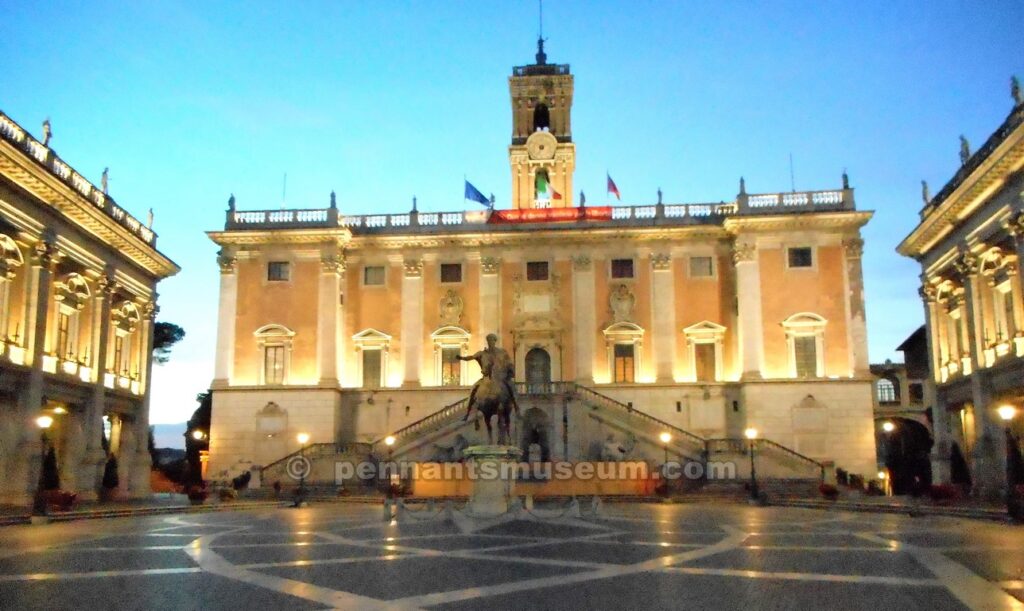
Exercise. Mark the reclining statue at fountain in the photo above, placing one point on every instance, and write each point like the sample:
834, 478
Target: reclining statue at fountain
494, 392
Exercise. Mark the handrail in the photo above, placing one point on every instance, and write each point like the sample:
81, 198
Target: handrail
791, 452
314, 449
693, 438
439, 417
742, 445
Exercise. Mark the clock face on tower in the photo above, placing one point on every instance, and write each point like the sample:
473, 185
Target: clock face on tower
541, 145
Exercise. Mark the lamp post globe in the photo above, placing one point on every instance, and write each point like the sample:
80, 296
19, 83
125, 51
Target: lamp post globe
751, 435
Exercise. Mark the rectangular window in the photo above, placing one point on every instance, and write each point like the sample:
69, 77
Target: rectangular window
701, 267
451, 367
801, 257
63, 333
273, 365
373, 275
119, 354
371, 368
537, 270
451, 272
624, 362
622, 268
704, 362
278, 271
1007, 326
805, 353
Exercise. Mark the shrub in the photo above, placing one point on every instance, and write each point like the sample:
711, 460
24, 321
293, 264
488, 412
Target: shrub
241, 482
944, 493
828, 491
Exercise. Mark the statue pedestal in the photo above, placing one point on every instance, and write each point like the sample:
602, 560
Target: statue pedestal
494, 478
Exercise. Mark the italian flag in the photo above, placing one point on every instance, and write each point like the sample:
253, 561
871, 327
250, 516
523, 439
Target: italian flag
545, 190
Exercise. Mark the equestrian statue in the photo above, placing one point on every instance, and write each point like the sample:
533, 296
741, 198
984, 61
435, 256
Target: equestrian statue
494, 392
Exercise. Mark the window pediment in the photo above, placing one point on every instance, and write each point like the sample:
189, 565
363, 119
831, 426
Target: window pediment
706, 330
371, 338
624, 331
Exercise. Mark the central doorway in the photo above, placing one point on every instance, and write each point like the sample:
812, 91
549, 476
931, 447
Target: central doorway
538, 371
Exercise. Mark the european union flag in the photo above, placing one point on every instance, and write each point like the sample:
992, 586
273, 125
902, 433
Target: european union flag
474, 194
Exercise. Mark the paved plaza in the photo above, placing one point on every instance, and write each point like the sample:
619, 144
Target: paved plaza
631, 557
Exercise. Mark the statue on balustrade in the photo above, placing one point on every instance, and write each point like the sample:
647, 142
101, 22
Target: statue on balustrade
494, 392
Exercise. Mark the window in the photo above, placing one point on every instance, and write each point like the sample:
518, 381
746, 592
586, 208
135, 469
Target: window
916, 391
119, 354
622, 268
278, 271
273, 365
801, 257
1005, 321
63, 332
886, 391
805, 356
537, 270
451, 366
451, 272
624, 363
373, 275
371, 368
704, 362
701, 267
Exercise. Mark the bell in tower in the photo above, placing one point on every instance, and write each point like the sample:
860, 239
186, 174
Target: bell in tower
542, 154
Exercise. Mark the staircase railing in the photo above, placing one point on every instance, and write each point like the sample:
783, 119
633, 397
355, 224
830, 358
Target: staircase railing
315, 450
445, 415
763, 446
593, 397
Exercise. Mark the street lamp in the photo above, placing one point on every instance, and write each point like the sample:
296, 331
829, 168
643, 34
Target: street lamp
198, 435
1007, 414
665, 438
39, 502
888, 426
303, 439
751, 435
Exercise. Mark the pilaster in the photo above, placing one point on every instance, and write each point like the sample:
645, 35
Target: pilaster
226, 317
412, 321
584, 317
856, 321
663, 316
748, 292
490, 296
328, 314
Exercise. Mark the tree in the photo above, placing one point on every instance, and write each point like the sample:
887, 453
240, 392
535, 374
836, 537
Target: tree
51, 476
200, 421
165, 335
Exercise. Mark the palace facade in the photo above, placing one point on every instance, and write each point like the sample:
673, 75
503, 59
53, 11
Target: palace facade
970, 241
625, 322
77, 301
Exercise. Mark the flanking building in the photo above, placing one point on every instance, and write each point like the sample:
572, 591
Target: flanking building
696, 319
969, 242
77, 300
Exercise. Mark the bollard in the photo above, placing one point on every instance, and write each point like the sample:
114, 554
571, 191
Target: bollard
387, 510
574, 508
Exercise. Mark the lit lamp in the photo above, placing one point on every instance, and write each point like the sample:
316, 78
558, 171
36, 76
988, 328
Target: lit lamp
1007, 414
39, 502
198, 435
888, 426
751, 435
883, 477
303, 439
665, 438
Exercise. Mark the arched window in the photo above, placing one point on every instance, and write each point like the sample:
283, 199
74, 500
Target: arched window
126, 321
886, 391
450, 342
71, 294
10, 261
275, 346
541, 118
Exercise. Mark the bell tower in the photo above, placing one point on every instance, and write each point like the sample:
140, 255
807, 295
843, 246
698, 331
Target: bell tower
542, 154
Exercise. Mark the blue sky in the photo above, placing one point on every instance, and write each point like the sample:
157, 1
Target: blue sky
189, 102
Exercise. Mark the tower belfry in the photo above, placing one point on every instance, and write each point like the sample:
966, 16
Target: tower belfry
541, 154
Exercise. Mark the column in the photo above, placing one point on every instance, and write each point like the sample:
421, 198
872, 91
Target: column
1015, 227
989, 464
584, 313
91, 467
490, 296
225, 362
940, 416
412, 321
139, 486
856, 322
748, 294
26, 459
327, 318
663, 316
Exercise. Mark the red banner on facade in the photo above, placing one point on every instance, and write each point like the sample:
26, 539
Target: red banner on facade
551, 215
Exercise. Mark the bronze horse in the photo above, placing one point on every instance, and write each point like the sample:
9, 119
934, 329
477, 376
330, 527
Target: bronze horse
493, 395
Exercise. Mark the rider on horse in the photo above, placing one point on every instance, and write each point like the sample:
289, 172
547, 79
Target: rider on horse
495, 364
